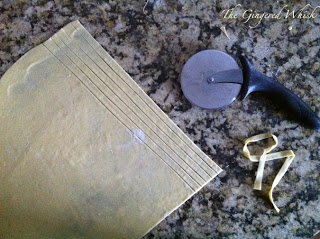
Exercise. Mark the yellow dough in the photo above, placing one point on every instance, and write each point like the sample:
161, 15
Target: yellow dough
288, 154
84, 152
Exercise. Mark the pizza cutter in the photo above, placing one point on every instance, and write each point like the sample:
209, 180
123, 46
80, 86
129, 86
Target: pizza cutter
212, 79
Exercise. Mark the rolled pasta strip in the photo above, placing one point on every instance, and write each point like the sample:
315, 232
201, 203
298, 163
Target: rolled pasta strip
288, 154
261, 158
289, 157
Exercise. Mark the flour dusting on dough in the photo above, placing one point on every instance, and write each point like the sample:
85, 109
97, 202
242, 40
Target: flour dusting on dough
139, 135
136, 137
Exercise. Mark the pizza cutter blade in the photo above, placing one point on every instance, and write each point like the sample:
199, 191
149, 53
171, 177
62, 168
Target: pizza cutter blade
203, 82
212, 79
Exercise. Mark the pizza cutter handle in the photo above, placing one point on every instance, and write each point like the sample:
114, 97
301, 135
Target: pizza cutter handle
256, 81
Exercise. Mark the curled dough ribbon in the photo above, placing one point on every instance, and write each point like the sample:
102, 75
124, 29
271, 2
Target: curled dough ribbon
288, 154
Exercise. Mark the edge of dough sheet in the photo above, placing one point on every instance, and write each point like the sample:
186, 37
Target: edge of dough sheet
13, 76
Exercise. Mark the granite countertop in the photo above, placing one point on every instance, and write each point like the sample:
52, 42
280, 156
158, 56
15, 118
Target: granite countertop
152, 46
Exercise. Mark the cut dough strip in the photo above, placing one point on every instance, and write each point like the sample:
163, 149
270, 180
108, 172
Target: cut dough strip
288, 154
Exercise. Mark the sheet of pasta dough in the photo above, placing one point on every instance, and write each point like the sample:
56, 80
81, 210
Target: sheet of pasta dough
84, 152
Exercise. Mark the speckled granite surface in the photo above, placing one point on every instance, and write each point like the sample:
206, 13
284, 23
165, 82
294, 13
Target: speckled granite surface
152, 47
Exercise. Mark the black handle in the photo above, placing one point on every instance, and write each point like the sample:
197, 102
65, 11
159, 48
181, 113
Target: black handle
256, 81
